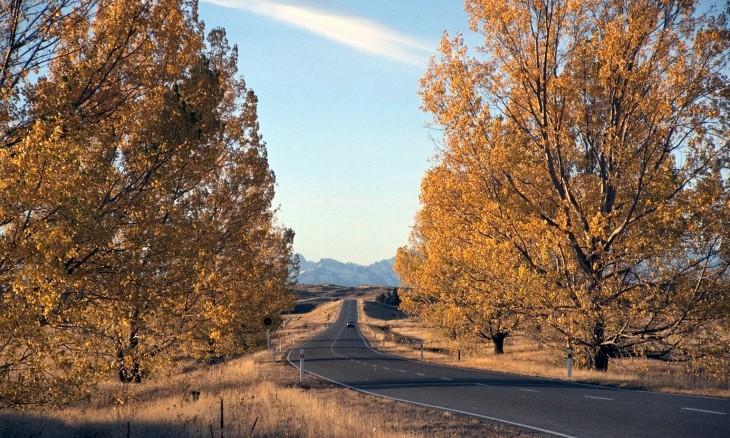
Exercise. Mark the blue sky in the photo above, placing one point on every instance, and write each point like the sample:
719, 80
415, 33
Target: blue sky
337, 83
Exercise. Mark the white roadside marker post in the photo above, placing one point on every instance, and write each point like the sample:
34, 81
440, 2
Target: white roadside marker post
570, 361
301, 365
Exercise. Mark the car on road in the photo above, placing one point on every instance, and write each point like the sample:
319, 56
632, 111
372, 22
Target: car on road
350, 324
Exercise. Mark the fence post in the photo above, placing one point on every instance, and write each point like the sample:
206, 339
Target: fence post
422, 351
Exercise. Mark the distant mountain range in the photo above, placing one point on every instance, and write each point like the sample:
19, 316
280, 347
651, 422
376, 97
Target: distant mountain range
329, 271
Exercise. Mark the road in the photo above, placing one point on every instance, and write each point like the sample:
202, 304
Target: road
559, 408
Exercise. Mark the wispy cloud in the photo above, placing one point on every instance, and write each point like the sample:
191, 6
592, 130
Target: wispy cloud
356, 32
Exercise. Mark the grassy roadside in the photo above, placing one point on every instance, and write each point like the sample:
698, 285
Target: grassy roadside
259, 396
389, 330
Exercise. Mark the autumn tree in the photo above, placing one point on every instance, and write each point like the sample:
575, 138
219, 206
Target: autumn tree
450, 267
136, 197
590, 140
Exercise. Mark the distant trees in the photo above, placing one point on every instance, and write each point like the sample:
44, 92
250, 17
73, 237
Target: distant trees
390, 298
582, 188
135, 216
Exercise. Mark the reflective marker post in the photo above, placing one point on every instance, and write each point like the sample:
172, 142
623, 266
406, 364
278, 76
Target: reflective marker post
301, 365
269, 347
267, 323
570, 361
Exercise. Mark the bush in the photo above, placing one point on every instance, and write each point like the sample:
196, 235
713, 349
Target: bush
390, 298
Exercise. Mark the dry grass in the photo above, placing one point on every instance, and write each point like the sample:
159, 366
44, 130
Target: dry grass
386, 328
260, 397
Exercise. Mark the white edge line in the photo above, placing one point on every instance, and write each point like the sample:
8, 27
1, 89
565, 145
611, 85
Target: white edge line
590, 385
705, 411
597, 398
473, 414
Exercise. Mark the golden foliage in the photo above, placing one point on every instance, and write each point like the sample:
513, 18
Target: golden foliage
136, 222
583, 182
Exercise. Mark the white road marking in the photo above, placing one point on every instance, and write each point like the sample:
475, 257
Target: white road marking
597, 398
529, 390
481, 384
386, 368
446, 378
420, 374
706, 412
501, 420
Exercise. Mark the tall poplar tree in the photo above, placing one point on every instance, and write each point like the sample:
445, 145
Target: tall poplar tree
588, 141
136, 216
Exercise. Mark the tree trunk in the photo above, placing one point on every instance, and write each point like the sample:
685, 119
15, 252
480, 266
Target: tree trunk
597, 357
601, 359
498, 341
598, 360
131, 373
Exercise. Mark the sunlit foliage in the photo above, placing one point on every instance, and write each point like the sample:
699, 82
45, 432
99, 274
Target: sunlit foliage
135, 218
583, 178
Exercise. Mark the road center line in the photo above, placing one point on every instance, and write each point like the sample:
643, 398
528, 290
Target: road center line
529, 390
446, 378
597, 398
706, 412
420, 374
435, 406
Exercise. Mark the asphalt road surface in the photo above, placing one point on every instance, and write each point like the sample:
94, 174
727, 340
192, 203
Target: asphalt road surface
560, 408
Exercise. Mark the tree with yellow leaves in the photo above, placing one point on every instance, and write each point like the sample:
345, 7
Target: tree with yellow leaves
589, 143
136, 220
451, 269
